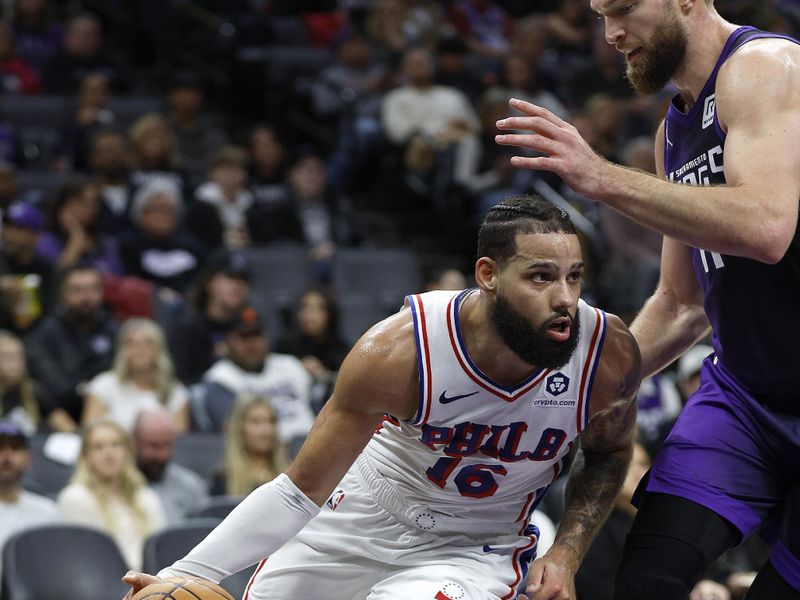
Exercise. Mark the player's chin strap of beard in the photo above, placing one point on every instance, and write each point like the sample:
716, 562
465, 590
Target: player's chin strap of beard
257, 527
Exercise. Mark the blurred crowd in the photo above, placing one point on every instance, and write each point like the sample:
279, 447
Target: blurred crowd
148, 148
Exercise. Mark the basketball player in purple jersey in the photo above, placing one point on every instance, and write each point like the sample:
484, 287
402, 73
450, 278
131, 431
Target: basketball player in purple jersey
730, 261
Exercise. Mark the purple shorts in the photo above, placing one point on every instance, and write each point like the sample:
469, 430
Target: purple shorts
732, 455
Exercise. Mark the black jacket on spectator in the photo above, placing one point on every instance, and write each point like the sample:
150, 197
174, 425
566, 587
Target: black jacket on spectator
194, 344
62, 356
173, 263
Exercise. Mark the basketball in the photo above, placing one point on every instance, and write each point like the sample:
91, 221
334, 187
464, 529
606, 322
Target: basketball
182, 588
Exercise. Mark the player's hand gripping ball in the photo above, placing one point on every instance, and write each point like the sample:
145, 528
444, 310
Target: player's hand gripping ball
182, 588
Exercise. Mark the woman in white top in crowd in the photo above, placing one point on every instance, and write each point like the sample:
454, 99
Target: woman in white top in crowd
108, 492
142, 377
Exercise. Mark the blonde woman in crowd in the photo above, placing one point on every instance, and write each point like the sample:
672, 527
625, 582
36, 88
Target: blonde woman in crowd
108, 492
21, 398
253, 453
142, 376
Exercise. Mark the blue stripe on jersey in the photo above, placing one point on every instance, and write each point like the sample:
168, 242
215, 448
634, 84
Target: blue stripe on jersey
420, 364
468, 358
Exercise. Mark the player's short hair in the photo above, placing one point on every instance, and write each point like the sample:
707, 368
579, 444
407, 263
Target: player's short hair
525, 214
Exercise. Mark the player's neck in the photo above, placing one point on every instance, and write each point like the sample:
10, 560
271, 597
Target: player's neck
706, 41
489, 353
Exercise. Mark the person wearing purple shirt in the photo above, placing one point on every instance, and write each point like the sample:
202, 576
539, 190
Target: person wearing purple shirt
730, 265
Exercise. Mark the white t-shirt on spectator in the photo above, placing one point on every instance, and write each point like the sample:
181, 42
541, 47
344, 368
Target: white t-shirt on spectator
124, 400
283, 380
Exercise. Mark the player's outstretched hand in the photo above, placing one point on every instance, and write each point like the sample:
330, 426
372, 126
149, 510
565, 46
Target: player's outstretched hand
137, 581
563, 150
549, 579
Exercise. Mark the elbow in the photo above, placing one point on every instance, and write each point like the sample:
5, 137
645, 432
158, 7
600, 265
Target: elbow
774, 243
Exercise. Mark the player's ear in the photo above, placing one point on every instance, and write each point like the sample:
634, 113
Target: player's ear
486, 271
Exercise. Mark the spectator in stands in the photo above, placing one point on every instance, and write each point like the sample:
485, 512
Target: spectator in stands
219, 293
82, 54
26, 277
448, 278
22, 400
155, 151
39, 37
157, 249
595, 577
267, 165
315, 339
91, 115
421, 107
109, 163
10, 150
484, 24
569, 30
197, 132
253, 452
386, 30
314, 215
351, 86
16, 75
141, 377
659, 403
74, 235
520, 79
218, 215
454, 71
251, 367
73, 343
179, 489
8, 184
19, 508
108, 493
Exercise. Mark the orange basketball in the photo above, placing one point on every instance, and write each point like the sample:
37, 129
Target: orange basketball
182, 588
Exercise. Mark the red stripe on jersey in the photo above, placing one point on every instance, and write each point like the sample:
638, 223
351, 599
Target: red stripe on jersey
468, 370
524, 512
589, 360
253, 578
515, 561
426, 350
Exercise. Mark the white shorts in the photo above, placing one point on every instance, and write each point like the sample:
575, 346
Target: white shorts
356, 550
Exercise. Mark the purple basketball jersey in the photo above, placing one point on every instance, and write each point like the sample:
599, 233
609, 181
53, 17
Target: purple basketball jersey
753, 307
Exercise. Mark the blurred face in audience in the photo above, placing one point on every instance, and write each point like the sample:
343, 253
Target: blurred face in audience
266, 149
18, 240
155, 442
140, 351
110, 155
83, 37
313, 317
517, 72
259, 430
82, 293
31, 10
307, 178
105, 452
14, 461
81, 209
248, 350
228, 293
155, 144
229, 177
418, 67
159, 217
6, 42
94, 91
186, 100
356, 53
12, 362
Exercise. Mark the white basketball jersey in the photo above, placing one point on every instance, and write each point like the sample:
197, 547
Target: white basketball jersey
477, 450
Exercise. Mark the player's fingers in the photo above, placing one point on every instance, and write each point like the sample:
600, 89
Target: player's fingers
534, 110
534, 142
536, 125
537, 163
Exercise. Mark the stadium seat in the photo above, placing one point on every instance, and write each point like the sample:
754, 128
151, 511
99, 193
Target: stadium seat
36, 111
199, 451
127, 109
385, 274
62, 562
42, 183
280, 273
45, 476
357, 313
168, 545
215, 507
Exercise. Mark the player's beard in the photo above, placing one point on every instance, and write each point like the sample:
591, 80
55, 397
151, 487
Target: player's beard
530, 343
661, 57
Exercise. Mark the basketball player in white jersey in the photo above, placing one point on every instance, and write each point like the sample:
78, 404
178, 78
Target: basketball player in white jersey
449, 421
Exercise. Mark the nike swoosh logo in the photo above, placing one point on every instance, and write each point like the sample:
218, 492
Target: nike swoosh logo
446, 400
487, 548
